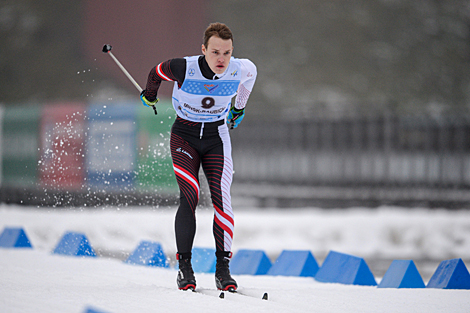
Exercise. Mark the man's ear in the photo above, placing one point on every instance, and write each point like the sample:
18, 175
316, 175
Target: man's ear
203, 49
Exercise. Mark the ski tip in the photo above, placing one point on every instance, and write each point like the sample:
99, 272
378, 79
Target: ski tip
222, 295
265, 296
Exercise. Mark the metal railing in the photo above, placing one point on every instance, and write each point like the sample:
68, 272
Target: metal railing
378, 150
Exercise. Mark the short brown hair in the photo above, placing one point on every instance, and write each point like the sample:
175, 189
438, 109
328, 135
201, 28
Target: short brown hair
217, 29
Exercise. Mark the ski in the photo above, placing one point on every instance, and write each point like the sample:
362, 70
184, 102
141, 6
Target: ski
221, 293
208, 292
231, 290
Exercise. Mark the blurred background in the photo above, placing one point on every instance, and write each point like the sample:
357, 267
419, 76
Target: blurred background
360, 103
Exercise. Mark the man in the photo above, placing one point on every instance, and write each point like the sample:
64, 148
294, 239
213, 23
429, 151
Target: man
203, 89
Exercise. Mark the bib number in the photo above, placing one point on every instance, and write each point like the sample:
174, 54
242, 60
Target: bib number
208, 102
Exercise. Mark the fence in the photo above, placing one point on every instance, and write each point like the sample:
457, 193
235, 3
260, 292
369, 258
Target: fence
379, 150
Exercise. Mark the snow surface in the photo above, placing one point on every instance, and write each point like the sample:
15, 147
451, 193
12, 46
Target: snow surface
34, 280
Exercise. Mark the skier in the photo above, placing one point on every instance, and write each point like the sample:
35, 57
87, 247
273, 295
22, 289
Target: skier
204, 86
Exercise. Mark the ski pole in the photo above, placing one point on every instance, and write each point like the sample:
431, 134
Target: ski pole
107, 49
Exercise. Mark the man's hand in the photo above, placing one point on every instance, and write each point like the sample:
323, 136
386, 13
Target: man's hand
235, 117
147, 102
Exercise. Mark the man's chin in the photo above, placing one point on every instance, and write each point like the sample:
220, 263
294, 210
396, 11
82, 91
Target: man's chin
219, 70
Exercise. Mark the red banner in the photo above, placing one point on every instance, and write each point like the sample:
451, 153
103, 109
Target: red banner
62, 146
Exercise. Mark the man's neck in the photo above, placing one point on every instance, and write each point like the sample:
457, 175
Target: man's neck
205, 69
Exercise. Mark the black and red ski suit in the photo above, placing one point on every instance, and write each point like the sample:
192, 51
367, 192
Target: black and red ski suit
194, 144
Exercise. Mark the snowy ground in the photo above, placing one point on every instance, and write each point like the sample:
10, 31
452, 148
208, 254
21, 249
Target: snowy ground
37, 281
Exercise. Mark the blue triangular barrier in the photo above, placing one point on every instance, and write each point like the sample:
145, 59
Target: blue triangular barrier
294, 263
74, 244
402, 274
92, 310
450, 274
250, 262
14, 238
203, 260
148, 253
345, 269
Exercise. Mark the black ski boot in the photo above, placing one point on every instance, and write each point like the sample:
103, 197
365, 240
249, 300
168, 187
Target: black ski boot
185, 279
223, 280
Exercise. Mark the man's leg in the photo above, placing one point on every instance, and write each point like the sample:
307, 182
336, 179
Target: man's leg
186, 166
218, 168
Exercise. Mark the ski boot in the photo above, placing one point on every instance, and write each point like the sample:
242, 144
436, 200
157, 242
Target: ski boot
185, 278
223, 280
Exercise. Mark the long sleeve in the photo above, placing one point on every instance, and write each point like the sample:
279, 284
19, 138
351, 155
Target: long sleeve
171, 70
248, 78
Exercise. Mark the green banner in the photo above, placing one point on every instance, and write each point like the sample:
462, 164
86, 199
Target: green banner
20, 145
154, 166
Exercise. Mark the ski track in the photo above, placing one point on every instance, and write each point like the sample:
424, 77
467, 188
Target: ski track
35, 280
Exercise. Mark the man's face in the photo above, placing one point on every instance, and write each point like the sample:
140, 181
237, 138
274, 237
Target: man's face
218, 53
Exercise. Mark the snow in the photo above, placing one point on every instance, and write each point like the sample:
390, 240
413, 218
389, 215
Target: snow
35, 280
